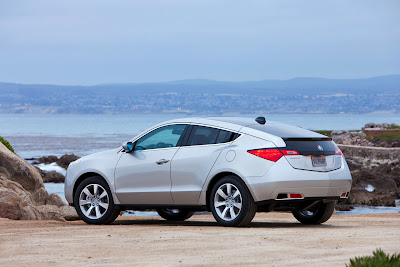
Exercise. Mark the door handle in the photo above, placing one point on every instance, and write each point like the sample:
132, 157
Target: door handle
162, 161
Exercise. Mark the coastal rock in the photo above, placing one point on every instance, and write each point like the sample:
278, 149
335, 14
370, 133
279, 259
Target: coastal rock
53, 177
18, 170
46, 160
65, 160
22, 194
55, 200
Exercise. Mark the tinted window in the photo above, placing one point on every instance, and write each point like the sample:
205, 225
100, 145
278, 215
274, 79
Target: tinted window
167, 136
226, 136
202, 135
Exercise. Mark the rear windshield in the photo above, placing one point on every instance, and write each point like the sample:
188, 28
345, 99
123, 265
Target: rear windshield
285, 131
306, 147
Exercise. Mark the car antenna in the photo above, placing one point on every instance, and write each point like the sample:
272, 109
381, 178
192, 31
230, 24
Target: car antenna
260, 120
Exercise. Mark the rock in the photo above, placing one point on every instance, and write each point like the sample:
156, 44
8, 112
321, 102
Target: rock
65, 160
56, 200
10, 204
40, 196
53, 177
17, 169
22, 194
69, 213
46, 160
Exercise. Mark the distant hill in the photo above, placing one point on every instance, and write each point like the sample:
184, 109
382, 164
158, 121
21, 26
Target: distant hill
199, 96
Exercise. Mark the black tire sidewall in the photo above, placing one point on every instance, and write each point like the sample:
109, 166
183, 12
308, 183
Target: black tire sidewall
182, 215
322, 214
111, 207
246, 199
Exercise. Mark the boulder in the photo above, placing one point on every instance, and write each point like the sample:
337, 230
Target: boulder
18, 170
53, 177
22, 194
65, 160
46, 160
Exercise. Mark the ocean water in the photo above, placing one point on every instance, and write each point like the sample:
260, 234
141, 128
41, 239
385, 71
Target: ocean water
42, 135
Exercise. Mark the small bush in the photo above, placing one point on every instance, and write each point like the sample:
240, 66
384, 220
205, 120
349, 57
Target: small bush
379, 259
6, 143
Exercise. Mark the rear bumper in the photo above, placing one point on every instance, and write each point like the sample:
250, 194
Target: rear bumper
282, 178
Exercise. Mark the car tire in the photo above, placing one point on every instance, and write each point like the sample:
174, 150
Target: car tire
320, 213
94, 203
231, 202
175, 214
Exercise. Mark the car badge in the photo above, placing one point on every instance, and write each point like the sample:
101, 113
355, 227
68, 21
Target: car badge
320, 148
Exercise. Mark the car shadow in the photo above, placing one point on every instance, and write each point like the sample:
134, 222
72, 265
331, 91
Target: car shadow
196, 223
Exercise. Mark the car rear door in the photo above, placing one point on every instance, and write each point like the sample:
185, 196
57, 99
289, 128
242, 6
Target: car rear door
194, 160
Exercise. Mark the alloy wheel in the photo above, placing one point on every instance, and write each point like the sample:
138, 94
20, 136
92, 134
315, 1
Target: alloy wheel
94, 201
228, 202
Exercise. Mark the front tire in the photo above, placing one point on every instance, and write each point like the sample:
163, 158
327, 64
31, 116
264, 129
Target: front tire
94, 203
231, 202
318, 214
175, 214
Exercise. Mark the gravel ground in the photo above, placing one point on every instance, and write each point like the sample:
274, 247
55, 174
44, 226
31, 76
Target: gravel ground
273, 239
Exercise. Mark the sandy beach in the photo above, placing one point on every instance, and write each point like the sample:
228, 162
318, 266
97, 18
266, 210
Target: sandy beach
273, 239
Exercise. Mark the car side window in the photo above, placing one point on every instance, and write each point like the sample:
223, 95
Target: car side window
226, 136
202, 135
163, 137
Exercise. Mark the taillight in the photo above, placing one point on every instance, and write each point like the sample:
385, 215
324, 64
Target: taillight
338, 152
290, 152
269, 154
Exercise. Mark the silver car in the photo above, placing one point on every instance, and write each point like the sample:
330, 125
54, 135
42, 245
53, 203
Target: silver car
232, 167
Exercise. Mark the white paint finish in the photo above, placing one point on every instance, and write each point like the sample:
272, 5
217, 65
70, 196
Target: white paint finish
189, 170
140, 180
230, 155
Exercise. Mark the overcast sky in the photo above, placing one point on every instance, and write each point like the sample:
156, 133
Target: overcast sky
104, 41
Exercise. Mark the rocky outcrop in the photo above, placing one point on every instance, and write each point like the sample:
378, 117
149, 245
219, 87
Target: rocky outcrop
22, 194
376, 175
64, 161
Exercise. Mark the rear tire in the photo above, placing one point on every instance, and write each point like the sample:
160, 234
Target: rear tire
318, 214
231, 202
94, 203
175, 214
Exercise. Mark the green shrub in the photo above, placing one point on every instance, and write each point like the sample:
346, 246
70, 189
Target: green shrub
6, 143
379, 259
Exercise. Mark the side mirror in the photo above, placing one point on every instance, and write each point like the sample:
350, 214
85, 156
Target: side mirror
128, 147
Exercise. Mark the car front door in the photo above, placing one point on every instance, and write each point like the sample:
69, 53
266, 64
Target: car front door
143, 176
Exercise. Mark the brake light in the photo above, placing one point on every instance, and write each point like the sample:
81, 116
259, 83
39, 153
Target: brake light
338, 152
268, 154
290, 152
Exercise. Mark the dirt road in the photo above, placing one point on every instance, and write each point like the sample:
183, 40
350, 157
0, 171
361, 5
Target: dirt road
273, 239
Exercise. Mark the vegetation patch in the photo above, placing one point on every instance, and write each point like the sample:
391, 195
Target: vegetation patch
394, 127
379, 259
7, 144
387, 136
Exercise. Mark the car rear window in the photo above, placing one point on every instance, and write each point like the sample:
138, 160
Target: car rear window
202, 135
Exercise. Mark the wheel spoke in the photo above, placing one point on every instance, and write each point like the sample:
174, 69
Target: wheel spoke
87, 192
232, 212
89, 211
84, 202
237, 193
238, 205
219, 204
103, 194
224, 212
229, 189
98, 214
104, 205
222, 194
95, 189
